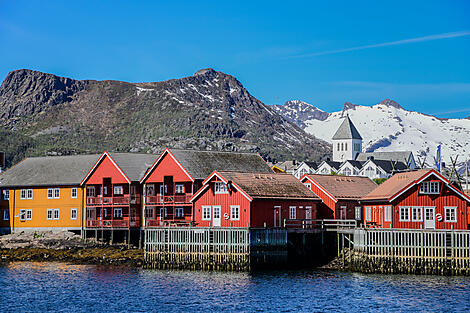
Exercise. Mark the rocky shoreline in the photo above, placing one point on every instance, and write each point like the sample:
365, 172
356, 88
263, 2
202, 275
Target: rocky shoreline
65, 247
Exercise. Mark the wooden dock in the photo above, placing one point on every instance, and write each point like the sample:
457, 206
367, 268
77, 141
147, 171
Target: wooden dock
212, 248
443, 252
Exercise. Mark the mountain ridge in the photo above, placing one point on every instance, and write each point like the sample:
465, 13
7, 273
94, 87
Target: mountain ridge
43, 113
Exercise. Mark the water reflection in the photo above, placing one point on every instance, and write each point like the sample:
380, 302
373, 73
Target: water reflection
36, 287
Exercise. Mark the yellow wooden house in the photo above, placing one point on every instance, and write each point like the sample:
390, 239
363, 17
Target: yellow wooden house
44, 193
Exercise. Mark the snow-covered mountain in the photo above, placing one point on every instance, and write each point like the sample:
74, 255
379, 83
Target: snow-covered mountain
387, 126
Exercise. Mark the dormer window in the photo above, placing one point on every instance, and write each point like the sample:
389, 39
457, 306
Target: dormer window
429, 187
220, 188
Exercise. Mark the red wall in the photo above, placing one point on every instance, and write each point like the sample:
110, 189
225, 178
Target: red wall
262, 212
447, 197
106, 168
167, 167
350, 209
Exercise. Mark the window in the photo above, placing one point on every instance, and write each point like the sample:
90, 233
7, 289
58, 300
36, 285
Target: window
347, 171
369, 171
388, 213
179, 212
429, 187
163, 213
342, 147
90, 191
404, 214
368, 213
53, 193
118, 212
149, 212
346, 146
324, 170
6, 194
179, 188
235, 212
105, 190
358, 212
90, 213
377, 171
6, 215
26, 194
451, 214
26, 214
74, 193
73, 213
105, 212
206, 213
309, 185
220, 187
292, 213
417, 214
52, 214
118, 190
339, 146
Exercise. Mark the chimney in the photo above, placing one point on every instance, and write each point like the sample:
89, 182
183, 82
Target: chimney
328, 159
370, 158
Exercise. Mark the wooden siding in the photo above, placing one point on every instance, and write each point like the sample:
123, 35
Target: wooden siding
263, 211
327, 209
167, 167
412, 197
106, 168
39, 205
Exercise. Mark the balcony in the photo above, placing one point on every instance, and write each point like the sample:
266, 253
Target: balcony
122, 200
168, 199
124, 223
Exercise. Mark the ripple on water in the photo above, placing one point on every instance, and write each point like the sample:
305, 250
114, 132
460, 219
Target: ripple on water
37, 287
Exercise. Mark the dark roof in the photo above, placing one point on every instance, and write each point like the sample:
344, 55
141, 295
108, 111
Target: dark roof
345, 187
270, 185
334, 164
201, 164
388, 166
347, 130
134, 165
356, 164
312, 165
401, 156
48, 171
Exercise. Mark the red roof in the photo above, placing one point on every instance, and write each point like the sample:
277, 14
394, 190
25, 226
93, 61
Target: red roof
343, 187
401, 182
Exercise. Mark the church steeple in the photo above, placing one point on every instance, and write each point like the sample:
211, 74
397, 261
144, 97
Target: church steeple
347, 142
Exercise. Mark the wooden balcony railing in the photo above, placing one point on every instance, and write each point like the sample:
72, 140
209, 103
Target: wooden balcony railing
168, 199
158, 223
123, 200
124, 223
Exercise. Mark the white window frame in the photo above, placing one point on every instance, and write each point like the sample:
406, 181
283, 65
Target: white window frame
387, 213
6, 194
206, 213
454, 209
358, 213
117, 212
53, 193
419, 218
179, 212
220, 188
26, 194
90, 191
74, 193
118, 190
349, 172
179, 188
26, 214
6, 214
309, 185
73, 213
150, 212
407, 210
53, 214
430, 188
235, 212
292, 212
368, 212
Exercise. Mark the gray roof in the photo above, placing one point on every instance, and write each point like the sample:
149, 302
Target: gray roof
400, 156
390, 166
201, 164
356, 164
312, 165
134, 165
48, 171
347, 130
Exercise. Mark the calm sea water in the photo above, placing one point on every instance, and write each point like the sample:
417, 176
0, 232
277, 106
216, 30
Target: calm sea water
39, 287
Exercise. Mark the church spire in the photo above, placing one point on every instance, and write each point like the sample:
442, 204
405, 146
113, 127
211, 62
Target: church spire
347, 130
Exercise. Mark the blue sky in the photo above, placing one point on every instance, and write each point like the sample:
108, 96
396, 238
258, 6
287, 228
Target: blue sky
325, 52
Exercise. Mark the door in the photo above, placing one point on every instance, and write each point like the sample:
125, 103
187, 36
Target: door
216, 216
161, 193
429, 218
277, 216
342, 213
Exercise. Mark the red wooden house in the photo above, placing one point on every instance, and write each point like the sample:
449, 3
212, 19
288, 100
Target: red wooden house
422, 199
340, 194
236, 199
177, 174
113, 191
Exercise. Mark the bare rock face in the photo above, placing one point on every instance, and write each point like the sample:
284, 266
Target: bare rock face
298, 112
47, 114
391, 103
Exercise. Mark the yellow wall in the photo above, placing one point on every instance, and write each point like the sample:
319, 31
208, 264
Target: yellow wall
39, 204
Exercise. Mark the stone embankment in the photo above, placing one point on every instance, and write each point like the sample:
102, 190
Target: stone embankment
66, 247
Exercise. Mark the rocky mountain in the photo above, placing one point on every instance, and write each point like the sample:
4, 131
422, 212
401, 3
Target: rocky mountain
387, 126
298, 112
45, 114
